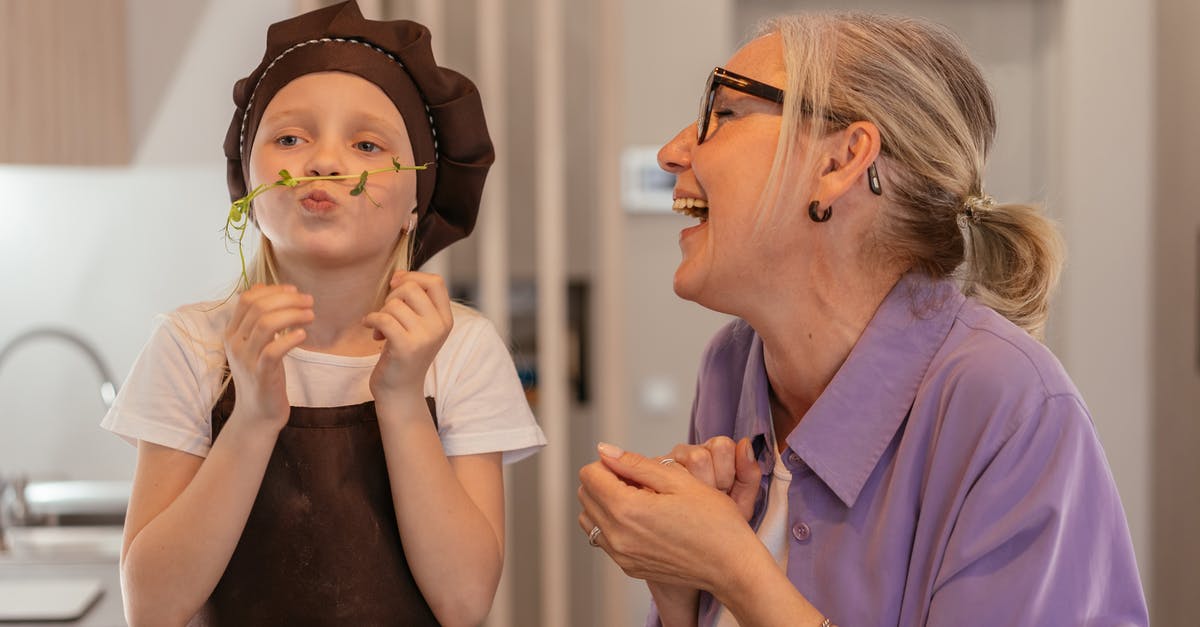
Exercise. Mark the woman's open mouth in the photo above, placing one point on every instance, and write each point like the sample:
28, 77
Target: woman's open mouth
694, 207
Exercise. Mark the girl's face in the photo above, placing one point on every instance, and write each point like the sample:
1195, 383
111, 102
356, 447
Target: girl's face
332, 123
721, 256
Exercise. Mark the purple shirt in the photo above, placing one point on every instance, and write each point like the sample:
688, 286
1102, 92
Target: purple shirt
949, 474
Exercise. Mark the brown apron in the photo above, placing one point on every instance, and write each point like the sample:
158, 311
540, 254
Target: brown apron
321, 545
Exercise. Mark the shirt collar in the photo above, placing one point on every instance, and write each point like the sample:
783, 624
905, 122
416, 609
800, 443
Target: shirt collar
843, 435
854, 420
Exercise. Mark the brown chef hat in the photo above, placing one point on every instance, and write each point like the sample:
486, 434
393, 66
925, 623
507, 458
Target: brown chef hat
440, 107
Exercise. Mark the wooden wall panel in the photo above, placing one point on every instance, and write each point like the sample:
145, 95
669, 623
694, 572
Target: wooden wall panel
63, 82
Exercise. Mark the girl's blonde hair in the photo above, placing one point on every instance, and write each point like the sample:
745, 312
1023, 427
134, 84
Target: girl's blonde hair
915, 81
263, 267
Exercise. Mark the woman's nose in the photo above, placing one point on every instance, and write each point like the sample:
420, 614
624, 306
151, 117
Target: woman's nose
676, 155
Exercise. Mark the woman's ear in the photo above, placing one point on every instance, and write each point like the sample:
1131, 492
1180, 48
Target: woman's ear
849, 154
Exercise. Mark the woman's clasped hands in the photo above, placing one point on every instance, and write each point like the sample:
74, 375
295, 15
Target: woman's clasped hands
667, 519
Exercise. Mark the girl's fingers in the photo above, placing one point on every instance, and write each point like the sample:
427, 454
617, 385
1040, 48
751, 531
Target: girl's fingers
386, 326
239, 310
247, 299
266, 302
415, 299
270, 325
434, 286
274, 351
409, 324
411, 306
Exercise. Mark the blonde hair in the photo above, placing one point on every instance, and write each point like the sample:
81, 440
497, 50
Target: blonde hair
262, 267
915, 81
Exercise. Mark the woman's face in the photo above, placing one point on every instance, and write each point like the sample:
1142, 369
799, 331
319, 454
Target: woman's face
728, 171
332, 123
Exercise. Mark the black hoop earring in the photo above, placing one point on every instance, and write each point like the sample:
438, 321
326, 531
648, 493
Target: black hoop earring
812, 212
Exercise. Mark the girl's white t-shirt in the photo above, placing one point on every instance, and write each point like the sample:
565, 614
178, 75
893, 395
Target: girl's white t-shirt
169, 394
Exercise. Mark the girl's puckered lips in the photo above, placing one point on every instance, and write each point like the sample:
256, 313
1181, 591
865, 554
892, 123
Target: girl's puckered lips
318, 201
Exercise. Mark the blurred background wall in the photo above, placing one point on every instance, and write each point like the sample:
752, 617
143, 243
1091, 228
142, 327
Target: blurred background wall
1096, 102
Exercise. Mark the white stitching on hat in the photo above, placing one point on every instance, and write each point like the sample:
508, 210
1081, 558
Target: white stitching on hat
250, 101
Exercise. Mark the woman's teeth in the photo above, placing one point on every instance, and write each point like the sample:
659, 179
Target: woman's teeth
694, 207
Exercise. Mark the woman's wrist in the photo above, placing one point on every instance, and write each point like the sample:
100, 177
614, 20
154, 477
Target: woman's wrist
678, 606
758, 592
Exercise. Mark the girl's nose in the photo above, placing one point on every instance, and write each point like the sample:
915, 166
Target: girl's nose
676, 155
325, 160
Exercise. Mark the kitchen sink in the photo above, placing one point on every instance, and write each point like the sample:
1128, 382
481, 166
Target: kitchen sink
63, 521
62, 544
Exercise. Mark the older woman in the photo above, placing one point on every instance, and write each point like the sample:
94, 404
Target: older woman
880, 438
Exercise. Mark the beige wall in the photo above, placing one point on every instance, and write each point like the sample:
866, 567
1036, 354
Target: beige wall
64, 62
1176, 302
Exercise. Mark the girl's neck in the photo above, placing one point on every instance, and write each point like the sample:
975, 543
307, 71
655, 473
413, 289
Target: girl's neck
341, 297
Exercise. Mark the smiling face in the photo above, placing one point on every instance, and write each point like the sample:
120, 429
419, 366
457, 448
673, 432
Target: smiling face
323, 124
727, 173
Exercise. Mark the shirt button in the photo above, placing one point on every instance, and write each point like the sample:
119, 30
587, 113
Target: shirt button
801, 532
794, 458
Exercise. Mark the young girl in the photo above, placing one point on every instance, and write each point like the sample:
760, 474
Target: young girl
326, 447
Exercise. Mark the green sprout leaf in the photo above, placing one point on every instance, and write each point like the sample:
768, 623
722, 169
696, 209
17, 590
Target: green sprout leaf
362, 184
239, 210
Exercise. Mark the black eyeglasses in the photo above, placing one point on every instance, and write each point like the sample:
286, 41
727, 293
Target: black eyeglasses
723, 77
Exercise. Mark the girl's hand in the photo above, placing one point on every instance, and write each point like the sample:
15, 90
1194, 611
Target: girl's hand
660, 523
415, 321
725, 465
267, 323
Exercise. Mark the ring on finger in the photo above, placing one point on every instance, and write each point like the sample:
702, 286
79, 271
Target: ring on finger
594, 536
667, 461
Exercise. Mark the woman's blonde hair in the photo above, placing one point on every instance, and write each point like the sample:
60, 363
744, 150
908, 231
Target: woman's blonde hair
915, 81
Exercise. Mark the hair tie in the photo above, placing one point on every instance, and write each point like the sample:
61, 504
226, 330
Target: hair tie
977, 205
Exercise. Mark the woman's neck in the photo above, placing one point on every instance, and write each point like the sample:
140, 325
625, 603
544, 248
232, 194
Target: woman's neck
341, 297
807, 339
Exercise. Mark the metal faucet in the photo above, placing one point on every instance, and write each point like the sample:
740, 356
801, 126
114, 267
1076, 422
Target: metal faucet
14, 510
108, 389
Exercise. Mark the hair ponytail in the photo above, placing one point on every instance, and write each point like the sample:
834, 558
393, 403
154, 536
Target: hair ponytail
1014, 256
